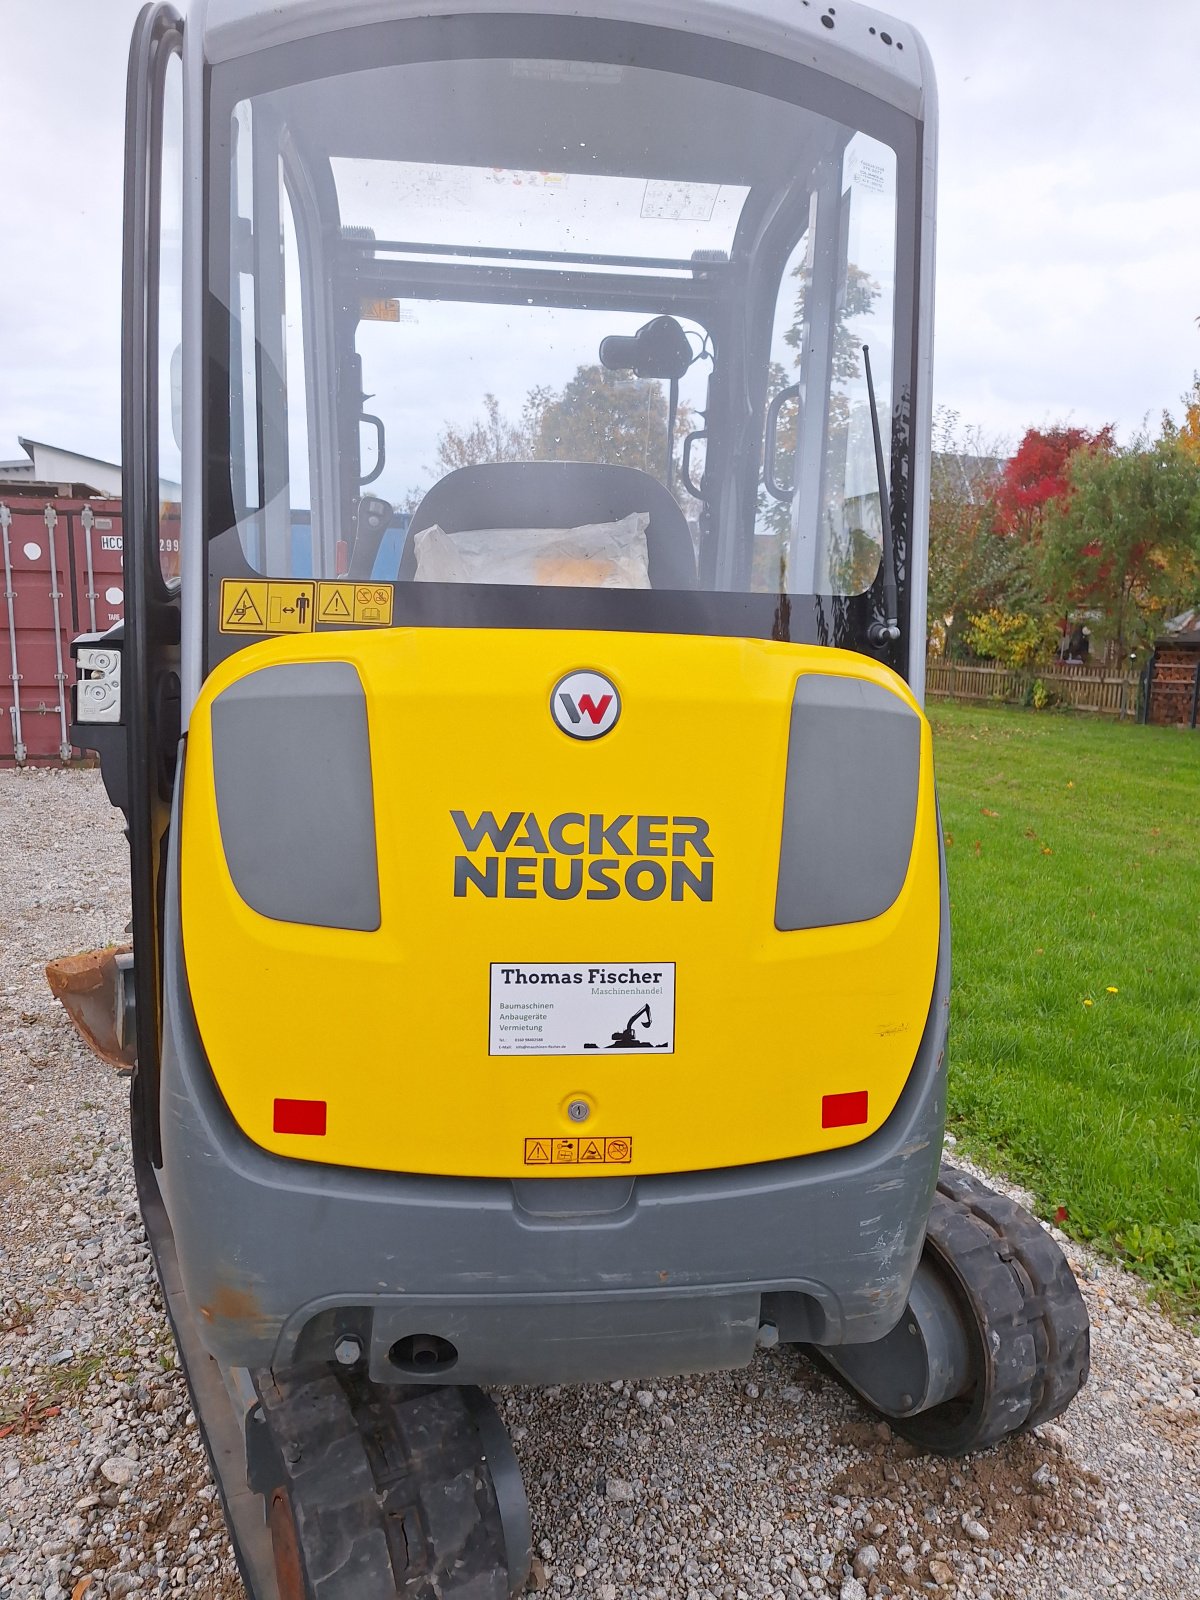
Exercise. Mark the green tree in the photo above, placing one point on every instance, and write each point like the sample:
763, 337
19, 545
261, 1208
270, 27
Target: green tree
1125, 542
492, 437
1189, 432
1014, 638
598, 416
606, 416
973, 569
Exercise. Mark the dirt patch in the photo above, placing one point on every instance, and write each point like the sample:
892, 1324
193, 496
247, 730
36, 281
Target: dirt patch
1029, 1490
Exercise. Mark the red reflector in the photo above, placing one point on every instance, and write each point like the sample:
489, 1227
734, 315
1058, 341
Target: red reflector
300, 1116
839, 1110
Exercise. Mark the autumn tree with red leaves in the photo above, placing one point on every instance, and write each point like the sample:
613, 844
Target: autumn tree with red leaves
985, 587
1037, 474
1019, 624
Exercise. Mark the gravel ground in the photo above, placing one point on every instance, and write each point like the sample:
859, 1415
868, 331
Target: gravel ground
764, 1483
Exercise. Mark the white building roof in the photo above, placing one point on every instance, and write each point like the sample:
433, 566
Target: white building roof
53, 464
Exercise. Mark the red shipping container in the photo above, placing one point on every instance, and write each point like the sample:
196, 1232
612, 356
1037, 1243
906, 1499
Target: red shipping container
62, 577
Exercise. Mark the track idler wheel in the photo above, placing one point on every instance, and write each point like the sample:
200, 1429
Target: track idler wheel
376, 1491
1026, 1323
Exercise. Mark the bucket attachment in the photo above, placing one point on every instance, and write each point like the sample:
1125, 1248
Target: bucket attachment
96, 988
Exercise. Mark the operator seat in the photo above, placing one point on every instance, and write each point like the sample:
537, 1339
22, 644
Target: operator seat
559, 494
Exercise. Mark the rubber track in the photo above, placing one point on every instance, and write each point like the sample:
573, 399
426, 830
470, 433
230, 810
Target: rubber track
1053, 1308
388, 1488
1025, 1312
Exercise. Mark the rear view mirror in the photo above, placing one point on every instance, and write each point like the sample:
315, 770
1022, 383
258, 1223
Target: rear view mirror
660, 349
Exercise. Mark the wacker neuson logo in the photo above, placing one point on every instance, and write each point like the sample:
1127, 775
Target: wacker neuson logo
578, 853
585, 705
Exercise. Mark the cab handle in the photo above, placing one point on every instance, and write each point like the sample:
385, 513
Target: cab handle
380, 448
777, 490
685, 466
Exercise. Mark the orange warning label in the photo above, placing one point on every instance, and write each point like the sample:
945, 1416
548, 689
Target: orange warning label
379, 310
590, 1151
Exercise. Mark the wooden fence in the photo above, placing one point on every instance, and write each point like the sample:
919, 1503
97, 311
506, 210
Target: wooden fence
1114, 694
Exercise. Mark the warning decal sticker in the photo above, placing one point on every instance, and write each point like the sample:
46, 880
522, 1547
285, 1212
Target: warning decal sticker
262, 605
380, 311
541, 1008
588, 1151
258, 605
343, 603
335, 602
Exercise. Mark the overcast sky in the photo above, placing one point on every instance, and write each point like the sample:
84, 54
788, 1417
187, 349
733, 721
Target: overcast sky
1069, 233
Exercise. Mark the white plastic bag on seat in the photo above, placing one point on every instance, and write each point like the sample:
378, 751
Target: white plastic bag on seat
597, 555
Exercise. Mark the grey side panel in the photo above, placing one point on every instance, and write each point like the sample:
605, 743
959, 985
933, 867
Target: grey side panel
292, 767
658, 1274
850, 805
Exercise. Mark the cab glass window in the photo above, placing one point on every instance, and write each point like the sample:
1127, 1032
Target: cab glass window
557, 322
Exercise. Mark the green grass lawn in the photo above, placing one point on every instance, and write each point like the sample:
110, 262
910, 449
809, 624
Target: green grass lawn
1074, 862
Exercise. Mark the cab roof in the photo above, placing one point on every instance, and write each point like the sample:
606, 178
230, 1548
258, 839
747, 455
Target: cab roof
854, 43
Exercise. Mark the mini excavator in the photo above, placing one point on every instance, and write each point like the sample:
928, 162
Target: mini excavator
649, 284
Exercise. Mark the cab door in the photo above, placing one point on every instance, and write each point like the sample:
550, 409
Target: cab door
151, 358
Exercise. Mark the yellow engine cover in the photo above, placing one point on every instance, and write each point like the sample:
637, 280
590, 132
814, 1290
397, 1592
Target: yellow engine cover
397, 1032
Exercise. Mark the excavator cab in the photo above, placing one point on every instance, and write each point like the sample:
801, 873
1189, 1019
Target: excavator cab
531, 742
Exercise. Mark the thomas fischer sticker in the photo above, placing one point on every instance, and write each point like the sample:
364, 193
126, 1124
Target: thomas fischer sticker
543, 1008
